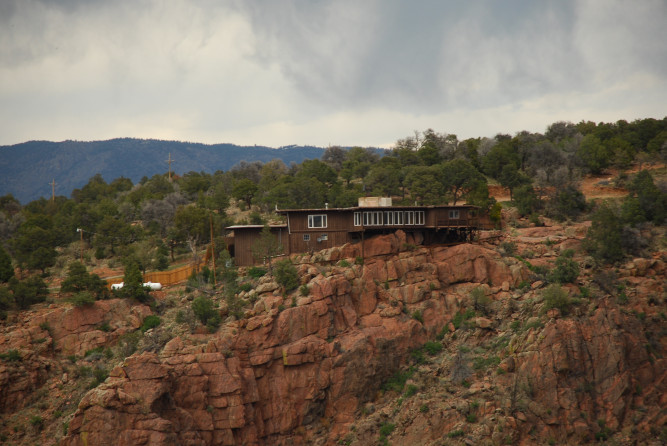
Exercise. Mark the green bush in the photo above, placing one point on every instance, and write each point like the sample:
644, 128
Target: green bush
11, 356
28, 292
566, 270
206, 311
286, 274
433, 348
556, 297
151, 321
480, 301
417, 315
79, 280
256, 272
82, 298
304, 290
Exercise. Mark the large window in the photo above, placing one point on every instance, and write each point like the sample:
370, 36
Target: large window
409, 217
317, 221
393, 218
419, 217
357, 219
373, 218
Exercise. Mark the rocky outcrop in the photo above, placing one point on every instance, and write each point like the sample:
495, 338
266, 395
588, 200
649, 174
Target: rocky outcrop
292, 363
42, 334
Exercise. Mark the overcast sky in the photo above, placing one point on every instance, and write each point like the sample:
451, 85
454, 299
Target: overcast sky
357, 72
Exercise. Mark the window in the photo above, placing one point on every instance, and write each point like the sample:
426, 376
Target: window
388, 218
453, 215
409, 217
398, 217
317, 221
419, 217
373, 218
306, 237
357, 219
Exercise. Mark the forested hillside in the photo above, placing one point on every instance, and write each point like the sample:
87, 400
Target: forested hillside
26, 169
54, 251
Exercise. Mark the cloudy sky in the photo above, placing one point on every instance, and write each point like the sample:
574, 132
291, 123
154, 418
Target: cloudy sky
346, 72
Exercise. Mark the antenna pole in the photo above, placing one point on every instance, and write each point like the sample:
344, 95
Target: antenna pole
170, 161
212, 248
53, 190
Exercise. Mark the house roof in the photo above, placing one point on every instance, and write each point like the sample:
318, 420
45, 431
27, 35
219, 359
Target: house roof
380, 208
282, 225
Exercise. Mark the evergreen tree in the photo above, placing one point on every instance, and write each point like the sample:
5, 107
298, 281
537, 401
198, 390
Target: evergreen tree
6, 268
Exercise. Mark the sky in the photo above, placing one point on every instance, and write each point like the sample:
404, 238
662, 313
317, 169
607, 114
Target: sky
344, 72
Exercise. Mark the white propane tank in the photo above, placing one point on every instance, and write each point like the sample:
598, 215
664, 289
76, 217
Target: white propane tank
117, 286
154, 286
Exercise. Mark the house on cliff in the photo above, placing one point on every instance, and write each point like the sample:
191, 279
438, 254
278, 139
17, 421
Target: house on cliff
309, 230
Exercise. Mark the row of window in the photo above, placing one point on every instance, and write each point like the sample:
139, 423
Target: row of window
379, 218
389, 218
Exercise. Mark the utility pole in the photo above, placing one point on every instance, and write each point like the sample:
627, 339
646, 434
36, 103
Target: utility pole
170, 161
53, 190
210, 217
79, 230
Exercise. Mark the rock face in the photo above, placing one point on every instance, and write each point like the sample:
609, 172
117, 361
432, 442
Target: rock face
304, 369
260, 380
43, 333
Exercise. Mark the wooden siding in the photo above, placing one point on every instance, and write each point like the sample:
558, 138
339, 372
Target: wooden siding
333, 238
244, 239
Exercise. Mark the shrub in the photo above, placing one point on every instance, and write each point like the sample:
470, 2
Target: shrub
480, 300
456, 433
37, 422
151, 321
397, 381
304, 290
566, 270
387, 429
286, 274
206, 311
508, 248
555, 297
133, 286
245, 287
423, 408
79, 280
81, 299
417, 315
256, 272
28, 292
344, 263
11, 356
433, 348
604, 238
471, 418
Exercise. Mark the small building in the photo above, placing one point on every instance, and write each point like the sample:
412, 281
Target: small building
240, 242
308, 230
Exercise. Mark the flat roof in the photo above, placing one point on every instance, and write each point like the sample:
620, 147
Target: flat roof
378, 208
283, 225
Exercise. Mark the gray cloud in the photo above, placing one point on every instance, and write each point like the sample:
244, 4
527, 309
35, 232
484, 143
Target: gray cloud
319, 72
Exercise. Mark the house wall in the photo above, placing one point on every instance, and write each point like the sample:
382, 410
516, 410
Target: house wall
245, 238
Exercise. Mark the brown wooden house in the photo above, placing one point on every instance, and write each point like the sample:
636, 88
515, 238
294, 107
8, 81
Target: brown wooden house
308, 230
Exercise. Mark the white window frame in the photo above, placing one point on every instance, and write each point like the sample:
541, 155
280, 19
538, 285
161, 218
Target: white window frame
419, 217
409, 217
357, 219
398, 218
454, 214
388, 218
373, 218
306, 237
313, 217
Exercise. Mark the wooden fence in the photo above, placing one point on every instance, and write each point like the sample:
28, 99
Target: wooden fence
165, 278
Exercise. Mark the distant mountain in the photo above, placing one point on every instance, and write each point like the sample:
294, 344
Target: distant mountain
26, 169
